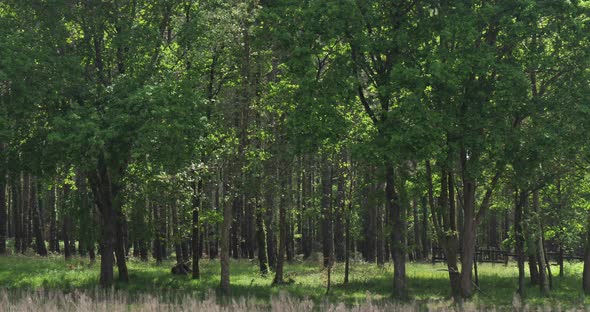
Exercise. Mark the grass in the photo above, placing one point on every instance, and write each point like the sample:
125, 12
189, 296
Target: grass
427, 282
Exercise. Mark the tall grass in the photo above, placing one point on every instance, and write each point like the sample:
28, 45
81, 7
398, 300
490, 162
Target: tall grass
118, 301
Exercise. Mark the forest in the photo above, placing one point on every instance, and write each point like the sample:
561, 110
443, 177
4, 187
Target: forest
356, 139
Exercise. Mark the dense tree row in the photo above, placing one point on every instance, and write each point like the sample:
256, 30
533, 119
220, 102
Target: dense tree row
273, 130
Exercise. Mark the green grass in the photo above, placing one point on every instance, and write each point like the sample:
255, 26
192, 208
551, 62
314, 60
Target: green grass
426, 282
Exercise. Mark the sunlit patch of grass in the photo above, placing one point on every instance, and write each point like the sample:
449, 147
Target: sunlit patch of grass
426, 282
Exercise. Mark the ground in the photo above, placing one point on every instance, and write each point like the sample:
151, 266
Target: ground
427, 282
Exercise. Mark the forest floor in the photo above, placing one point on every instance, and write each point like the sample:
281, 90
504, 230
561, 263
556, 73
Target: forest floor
428, 284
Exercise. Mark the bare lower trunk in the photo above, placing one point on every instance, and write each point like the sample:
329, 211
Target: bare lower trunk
468, 238
53, 240
543, 283
120, 247
424, 229
327, 225
416, 220
3, 208
197, 191
347, 248
271, 245
586, 273
105, 192
519, 235
37, 220
66, 237
282, 234
106, 251
16, 208
262, 259
398, 235
454, 275
533, 268
225, 252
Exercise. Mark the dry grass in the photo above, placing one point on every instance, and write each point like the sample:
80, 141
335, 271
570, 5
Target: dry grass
117, 301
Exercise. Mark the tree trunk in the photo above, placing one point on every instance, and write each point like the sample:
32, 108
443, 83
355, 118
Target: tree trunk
417, 243
305, 205
533, 268
493, 230
250, 228
327, 233
120, 246
176, 236
143, 251
339, 243
37, 220
225, 252
270, 233
26, 213
347, 243
424, 229
16, 212
3, 208
282, 231
197, 191
468, 236
105, 192
91, 253
586, 273
396, 208
543, 283
236, 227
53, 239
519, 235
66, 236
158, 238
262, 258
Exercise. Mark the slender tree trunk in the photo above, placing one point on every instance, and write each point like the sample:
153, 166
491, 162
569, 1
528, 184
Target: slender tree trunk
3, 207
424, 228
195, 246
270, 233
347, 245
468, 236
177, 239
417, 243
26, 211
327, 230
236, 227
262, 258
380, 235
120, 246
158, 238
339, 241
305, 239
250, 228
38, 220
91, 253
282, 231
66, 236
16, 212
493, 230
519, 235
143, 251
586, 273
53, 239
543, 283
225, 252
